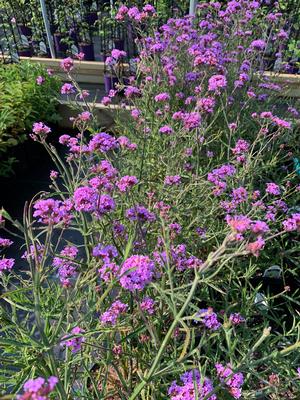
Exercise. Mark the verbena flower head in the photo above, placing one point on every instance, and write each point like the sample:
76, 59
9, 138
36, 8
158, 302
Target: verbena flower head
272, 188
126, 183
6, 264
102, 142
40, 80
140, 213
118, 54
148, 305
111, 316
74, 343
256, 246
162, 97
85, 199
136, 272
40, 131
67, 64
132, 91
66, 268
108, 271
236, 319
172, 180
258, 44
191, 120
292, 223
166, 130
106, 253
48, 211
233, 381
67, 88
5, 242
209, 319
216, 83
38, 388
238, 223
192, 387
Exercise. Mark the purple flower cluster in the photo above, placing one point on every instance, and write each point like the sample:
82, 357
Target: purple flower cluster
218, 177
140, 213
148, 305
272, 188
108, 271
209, 319
240, 150
240, 224
36, 252
52, 212
136, 272
87, 199
192, 387
111, 316
106, 253
172, 180
102, 142
73, 143
258, 44
179, 258
166, 130
216, 83
66, 267
206, 104
162, 97
38, 389
6, 264
191, 120
39, 131
292, 223
5, 242
131, 91
126, 183
74, 343
232, 381
67, 88
134, 14
236, 319
67, 64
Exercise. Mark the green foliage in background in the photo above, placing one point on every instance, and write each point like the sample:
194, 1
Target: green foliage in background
23, 101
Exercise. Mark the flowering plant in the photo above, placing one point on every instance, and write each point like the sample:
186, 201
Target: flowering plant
143, 267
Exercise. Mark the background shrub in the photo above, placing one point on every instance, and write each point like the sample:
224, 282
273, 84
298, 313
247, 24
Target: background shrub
24, 100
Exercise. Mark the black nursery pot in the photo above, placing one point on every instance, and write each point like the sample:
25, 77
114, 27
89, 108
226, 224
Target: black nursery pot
110, 82
293, 68
59, 45
25, 30
25, 53
119, 44
73, 34
91, 18
53, 28
88, 50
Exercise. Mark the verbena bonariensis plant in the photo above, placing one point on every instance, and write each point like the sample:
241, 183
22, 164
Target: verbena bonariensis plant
142, 269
